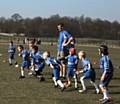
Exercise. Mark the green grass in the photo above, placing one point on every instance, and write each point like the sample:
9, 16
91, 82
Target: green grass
32, 91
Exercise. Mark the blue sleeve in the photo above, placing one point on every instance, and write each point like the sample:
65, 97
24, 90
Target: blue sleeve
32, 60
60, 40
66, 58
106, 64
88, 62
48, 62
24, 54
85, 65
58, 61
101, 64
76, 60
65, 34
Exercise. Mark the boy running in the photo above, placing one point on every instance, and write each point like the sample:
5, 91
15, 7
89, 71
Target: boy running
107, 73
25, 60
88, 72
11, 52
55, 65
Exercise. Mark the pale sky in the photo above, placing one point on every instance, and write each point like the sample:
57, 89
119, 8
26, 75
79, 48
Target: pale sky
103, 9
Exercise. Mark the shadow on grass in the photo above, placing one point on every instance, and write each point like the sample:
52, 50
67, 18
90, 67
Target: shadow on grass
116, 78
71, 89
115, 92
114, 86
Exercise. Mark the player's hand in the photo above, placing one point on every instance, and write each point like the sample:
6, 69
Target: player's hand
81, 71
74, 70
63, 45
19, 54
77, 72
102, 78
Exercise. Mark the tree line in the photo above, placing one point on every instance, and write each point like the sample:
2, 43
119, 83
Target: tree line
79, 27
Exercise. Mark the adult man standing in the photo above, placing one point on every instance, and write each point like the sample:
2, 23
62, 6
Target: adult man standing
64, 37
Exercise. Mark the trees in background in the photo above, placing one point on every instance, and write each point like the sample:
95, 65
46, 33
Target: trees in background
83, 27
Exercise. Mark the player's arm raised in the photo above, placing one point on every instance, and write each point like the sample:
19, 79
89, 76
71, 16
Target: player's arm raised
51, 66
68, 42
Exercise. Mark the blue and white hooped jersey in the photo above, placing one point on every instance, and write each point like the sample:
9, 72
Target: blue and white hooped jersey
11, 49
85, 64
53, 61
30, 52
72, 61
106, 64
24, 54
36, 58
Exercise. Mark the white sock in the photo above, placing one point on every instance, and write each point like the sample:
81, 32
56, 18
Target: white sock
95, 85
22, 72
32, 69
60, 83
54, 80
82, 82
69, 82
10, 60
105, 93
75, 82
63, 75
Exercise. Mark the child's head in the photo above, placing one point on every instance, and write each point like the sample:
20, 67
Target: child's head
31, 43
34, 49
81, 54
60, 26
11, 42
72, 51
103, 50
46, 54
20, 48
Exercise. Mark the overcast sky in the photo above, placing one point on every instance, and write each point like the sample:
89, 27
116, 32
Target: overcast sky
104, 9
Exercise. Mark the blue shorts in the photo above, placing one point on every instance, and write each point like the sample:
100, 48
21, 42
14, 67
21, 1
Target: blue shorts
25, 64
40, 67
56, 72
107, 79
90, 74
70, 72
11, 55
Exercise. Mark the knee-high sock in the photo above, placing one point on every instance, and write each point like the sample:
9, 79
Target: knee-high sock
22, 72
105, 93
60, 83
95, 85
64, 70
82, 82
10, 61
54, 80
75, 79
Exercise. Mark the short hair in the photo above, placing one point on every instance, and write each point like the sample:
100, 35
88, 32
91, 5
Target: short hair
11, 42
83, 53
35, 48
21, 46
48, 53
61, 24
31, 42
104, 49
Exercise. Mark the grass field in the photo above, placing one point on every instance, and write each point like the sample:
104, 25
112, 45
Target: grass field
32, 91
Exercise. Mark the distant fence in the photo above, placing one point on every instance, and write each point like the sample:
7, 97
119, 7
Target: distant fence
79, 41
